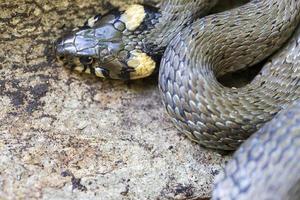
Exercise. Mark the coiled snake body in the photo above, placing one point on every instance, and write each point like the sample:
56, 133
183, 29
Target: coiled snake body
198, 50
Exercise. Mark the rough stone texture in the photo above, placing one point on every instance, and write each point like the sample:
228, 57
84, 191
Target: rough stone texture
69, 136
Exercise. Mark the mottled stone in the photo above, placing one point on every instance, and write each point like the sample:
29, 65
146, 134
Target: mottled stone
69, 136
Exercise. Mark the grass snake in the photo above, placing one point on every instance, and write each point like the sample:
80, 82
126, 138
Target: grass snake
197, 49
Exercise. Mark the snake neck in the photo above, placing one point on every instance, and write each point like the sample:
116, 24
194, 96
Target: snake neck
174, 16
203, 109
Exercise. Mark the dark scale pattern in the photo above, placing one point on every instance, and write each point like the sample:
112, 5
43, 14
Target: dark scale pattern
219, 117
136, 40
151, 18
267, 166
269, 160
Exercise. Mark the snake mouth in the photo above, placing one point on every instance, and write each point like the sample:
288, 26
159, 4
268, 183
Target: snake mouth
69, 62
112, 69
139, 65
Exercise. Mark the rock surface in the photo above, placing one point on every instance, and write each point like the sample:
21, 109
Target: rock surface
65, 135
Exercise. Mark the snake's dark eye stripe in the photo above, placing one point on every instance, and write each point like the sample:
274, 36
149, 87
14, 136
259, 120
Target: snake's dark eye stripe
129, 69
86, 60
125, 73
92, 69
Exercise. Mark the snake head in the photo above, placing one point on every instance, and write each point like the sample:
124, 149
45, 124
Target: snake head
108, 46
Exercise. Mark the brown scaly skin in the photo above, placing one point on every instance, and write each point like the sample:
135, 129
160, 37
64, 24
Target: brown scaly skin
200, 50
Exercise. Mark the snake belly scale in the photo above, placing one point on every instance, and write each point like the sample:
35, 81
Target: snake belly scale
196, 51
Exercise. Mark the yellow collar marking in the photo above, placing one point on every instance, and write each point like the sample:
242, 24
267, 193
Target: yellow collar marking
143, 64
133, 16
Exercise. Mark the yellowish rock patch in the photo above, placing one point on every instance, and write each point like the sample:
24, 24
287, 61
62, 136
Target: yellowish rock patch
133, 16
143, 64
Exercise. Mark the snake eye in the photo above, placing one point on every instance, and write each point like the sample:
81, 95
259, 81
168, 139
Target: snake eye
86, 60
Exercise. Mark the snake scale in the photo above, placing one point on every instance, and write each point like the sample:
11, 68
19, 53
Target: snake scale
197, 49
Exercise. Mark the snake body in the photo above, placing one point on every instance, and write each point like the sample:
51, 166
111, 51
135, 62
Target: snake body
198, 51
267, 165
216, 116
